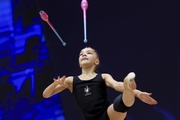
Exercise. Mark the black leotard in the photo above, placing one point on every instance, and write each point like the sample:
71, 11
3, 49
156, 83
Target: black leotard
91, 97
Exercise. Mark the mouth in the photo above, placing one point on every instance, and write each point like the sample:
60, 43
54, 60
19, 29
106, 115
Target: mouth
84, 59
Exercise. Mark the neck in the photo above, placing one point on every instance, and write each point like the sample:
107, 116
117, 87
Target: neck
88, 71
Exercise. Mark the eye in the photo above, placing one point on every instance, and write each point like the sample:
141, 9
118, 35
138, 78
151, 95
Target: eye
80, 54
89, 52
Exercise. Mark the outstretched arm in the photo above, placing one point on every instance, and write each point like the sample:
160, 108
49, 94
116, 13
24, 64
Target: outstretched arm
145, 97
118, 86
57, 86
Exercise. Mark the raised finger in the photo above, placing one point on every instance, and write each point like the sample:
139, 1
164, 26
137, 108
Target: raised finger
58, 78
63, 78
54, 79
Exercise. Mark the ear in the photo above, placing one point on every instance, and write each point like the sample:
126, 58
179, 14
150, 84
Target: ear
97, 61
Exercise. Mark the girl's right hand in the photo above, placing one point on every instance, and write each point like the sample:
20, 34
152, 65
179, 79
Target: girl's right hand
60, 81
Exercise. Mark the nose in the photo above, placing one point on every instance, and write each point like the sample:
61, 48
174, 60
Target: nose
84, 54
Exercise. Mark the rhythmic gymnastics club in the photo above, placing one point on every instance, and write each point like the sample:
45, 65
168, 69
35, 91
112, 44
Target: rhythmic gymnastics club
44, 17
84, 6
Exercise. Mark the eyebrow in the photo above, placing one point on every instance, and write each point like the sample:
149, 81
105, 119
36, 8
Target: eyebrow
81, 51
87, 50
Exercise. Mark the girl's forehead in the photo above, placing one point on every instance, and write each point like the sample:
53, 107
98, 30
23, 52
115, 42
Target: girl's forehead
87, 49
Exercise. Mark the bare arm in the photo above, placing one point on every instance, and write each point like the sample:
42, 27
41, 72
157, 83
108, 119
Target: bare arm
118, 86
58, 86
110, 82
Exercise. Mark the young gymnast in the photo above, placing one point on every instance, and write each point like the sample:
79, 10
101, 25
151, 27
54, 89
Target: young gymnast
89, 90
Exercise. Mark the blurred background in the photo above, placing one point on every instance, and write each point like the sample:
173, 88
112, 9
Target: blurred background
140, 36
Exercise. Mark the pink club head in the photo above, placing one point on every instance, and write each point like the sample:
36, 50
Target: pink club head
43, 15
84, 4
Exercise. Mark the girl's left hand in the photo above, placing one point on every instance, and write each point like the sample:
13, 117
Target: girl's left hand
146, 98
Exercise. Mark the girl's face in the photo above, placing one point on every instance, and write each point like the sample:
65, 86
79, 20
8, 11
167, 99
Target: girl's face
88, 57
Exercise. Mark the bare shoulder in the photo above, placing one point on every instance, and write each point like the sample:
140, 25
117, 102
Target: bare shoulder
105, 76
69, 80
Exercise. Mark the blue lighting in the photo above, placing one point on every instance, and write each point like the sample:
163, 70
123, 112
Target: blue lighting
23, 59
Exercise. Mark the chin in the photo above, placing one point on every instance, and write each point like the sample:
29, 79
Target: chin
84, 65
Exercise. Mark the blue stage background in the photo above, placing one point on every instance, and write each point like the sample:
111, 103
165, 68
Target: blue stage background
25, 65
